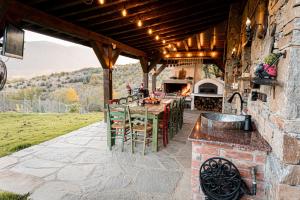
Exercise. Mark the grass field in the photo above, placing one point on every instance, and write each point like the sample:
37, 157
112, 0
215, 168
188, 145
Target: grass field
12, 196
19, 131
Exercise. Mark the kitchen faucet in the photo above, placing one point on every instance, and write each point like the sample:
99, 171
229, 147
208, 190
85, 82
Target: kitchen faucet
241, 99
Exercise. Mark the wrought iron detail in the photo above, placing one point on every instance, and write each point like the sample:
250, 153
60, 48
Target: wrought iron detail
221, 180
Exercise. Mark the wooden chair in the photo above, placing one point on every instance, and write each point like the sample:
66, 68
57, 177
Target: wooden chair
141, 129
135, 97
113, 101
129, 99
173, 120
117, 124
181, 112
123, 101
164, 124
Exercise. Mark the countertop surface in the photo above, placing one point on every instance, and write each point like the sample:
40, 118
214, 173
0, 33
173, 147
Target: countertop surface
236, 138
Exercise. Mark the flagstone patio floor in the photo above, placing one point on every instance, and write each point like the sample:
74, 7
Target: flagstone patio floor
79, 166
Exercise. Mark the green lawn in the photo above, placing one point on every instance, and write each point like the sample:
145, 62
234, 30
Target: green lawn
12, 196
18, 131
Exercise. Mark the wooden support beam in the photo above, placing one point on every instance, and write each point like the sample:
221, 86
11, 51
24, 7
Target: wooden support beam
160, 69
35, 16
4, 5
185, 45
154, 82
107, 57
105, 54
146, 80
198, 41
195, 54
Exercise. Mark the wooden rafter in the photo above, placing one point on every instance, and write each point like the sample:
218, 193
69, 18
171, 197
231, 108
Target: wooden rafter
193, 54
37, 17
186, 46
97, 8
155, 21
198, 41
133, 12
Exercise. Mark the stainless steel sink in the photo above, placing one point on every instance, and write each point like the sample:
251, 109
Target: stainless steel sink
221, 121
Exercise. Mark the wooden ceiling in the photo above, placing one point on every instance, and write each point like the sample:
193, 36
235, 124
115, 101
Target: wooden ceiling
172, 20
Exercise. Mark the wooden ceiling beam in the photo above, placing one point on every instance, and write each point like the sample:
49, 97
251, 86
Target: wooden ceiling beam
198, 41
185, 45
35, 16
117, 6
161, 23
195, 54
175, 35
150, 13
133, 12
178, 26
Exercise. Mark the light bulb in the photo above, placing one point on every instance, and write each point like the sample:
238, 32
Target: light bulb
157, 37
248, 22
174, 49
165, 52
101, 2
164, 41
124, 12
169, 45
150, 31
140, 23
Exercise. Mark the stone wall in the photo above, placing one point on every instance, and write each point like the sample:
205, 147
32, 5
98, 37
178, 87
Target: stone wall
278, 119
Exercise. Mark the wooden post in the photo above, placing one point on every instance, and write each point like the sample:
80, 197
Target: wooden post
107, 85
147, 68
153, 82
107, 57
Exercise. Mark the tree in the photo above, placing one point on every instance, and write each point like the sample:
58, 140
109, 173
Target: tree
71, 95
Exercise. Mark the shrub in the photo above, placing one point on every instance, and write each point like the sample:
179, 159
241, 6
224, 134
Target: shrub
74, 108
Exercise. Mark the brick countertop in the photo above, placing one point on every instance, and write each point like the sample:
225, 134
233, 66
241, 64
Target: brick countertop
241, 139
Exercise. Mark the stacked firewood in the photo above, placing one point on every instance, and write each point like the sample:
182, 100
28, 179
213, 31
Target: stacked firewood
213, 104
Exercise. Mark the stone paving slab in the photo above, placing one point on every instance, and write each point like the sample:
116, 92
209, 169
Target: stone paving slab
79, 166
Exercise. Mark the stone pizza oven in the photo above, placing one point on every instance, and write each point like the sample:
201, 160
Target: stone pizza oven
208, 95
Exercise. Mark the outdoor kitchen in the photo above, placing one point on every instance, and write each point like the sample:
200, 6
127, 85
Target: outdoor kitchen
222, 124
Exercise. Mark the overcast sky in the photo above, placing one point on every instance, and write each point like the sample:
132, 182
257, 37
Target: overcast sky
32, 36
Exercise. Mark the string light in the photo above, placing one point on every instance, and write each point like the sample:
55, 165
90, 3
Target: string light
150, 31
157, 37
169, 46
139, 23
164, 52
164, 41
124, 12
101, 2
174, 49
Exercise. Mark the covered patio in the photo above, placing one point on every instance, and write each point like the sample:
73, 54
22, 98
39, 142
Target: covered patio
239, 148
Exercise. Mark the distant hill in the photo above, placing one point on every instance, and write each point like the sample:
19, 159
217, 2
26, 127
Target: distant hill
44, 58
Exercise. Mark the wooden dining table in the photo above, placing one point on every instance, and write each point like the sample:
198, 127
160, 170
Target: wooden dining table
154, 112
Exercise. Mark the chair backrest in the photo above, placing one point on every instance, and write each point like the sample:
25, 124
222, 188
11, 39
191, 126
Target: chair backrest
116, 113
129, 99
138, 116
181, 104
113, 101
135, 97
123, 101
140, 95
166, 115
